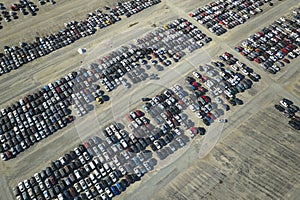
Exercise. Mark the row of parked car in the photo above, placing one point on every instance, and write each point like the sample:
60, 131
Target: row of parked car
220, 80
80, 89
34, 118
23, 6
101, 169
159, 48
289, 110
42, 113
271, 46
167, 111
95, 169
87, 172
98, 168
16, 56
221, 15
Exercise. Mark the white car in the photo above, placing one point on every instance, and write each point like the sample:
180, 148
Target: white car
21, 187
92, 165
283, 103
147, 166
102, 171
37, 177
104, 196
123, 133
134, 124
137, 171
179, 140
83, 184
193, 109
77, 187
106, 167
88, 194
177, 131
196, 75
106, 156
99, 188
62, 160
113, 177
164, 116
77, 174
122, 170
27, 184
132, 137
97, 174
77, 151
101, 146
156, 143
222, 120
108, 192
37, 136
46, 194
86, 156
82, 160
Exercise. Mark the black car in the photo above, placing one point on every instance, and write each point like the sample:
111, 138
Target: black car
146, 99
139, 146
293, 108
133, 148
129, 178
206, 122
48, 171
294, 125
153, 147
278, 107
143, 142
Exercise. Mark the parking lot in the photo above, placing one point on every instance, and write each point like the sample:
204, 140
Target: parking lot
15, 56
273, 58
230, 166
174, 128
219, 16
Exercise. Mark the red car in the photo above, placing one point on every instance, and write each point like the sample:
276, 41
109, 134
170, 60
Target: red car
70, 118
257, 60
286, 60
128, 117
175, 122
139, 113
201, 89
228, 54
205, 98
211, 116
195, 84
194, 130
204, 78
86, 144
149, 126
72, 192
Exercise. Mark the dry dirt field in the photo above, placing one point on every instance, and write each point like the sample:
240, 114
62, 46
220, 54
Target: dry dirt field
257, 155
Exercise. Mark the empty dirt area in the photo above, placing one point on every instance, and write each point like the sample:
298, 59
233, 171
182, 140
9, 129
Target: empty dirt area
258, 160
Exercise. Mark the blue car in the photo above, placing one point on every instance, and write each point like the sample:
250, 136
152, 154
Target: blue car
119, 186
115, 190
137, 162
